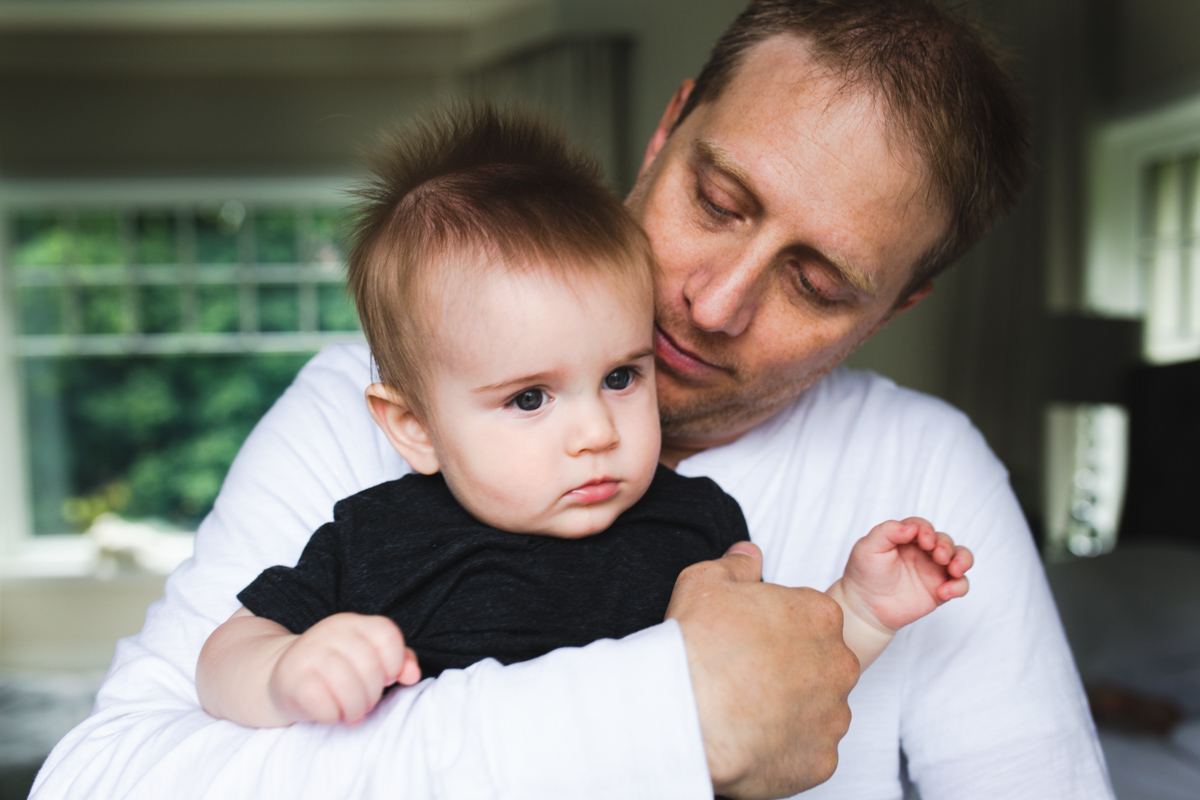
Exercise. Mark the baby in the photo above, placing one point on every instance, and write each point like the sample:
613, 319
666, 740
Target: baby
507, 300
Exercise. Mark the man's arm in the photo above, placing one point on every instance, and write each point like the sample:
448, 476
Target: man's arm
766, 733
614, 718
992, 706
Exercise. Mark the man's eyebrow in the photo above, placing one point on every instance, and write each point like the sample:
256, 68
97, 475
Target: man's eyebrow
715, 155
712, 153
860, 281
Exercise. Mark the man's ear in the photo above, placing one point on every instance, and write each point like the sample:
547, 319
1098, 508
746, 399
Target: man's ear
667, 123
404, 429
918, 294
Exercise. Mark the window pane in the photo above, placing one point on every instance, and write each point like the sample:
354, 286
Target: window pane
40, 310
39, 240
219, 309
101, 310
216, 233
328, 230
334, 310
140, 436
278, 309
98, 238
155, 236
162, 309
275, 237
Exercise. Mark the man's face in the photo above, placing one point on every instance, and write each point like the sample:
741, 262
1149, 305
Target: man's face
786, 223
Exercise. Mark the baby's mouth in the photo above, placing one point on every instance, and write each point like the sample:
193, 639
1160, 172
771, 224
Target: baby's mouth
596, 491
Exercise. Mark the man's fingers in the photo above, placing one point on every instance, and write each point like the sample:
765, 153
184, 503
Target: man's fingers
743, 561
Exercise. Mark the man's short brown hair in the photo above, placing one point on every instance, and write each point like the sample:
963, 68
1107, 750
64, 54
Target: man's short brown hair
468, 186
941, 80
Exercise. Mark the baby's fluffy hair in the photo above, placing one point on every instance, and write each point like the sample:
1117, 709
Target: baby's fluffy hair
472, 187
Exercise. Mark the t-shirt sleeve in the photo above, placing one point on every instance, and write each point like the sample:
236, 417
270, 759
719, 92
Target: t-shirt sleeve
735, 520
301, 596
731, 522
992, 705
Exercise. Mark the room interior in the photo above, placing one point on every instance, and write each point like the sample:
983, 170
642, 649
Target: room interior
1050, 334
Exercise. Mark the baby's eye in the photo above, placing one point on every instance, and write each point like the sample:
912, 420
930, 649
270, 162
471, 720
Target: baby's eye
529, 400
618, 379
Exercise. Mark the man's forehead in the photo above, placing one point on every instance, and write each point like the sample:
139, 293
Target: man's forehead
784, 111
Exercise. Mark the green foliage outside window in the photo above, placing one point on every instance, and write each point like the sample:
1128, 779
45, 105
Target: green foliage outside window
142, 437
151, 435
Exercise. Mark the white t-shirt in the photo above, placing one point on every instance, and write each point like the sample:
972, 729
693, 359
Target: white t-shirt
982, 694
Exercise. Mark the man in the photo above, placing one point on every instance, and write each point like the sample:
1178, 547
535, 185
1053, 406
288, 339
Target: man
831, 158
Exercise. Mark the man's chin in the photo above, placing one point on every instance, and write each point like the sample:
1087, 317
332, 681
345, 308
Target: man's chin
701, 418
705, 418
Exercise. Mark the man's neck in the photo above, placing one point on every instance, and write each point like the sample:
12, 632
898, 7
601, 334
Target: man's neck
676, 450
677, 447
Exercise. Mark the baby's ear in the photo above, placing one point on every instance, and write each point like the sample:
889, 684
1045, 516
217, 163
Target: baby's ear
404, 429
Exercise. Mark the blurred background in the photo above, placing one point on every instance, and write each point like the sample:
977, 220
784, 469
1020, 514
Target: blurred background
172, 197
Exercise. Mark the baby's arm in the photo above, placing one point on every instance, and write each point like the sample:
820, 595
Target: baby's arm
896, 574
257, 673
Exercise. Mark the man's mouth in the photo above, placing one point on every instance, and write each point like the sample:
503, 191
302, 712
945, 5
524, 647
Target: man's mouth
596, 491
678, 360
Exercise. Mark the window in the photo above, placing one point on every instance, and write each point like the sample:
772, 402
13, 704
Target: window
151, 326
1143, 259
1170, 258
1143, 262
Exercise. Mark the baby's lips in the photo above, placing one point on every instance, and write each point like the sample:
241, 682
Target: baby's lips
594, 492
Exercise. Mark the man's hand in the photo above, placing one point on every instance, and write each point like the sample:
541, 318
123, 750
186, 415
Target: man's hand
337, 669
770, 674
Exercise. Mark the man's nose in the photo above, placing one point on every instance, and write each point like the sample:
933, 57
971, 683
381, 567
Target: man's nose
724, 296
593, 429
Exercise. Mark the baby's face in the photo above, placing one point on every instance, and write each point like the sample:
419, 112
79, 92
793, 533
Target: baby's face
542, 404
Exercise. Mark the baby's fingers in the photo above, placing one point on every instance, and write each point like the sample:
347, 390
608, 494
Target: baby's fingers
311, 701
387, 642
410, 673
399, 662
922, 533
952, 589
354, 691
943, 549
885, 536
961, 561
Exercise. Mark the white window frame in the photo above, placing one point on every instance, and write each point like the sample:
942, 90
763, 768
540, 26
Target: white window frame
1120, 152
22, 554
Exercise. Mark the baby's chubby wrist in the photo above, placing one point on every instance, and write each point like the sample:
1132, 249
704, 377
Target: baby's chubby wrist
853, 605
861, 629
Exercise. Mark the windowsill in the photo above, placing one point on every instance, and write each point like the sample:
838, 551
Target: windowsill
70, 556
82, 556
66, 600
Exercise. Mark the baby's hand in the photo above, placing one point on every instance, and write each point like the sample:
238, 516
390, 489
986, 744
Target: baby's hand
338, 669
901, 571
